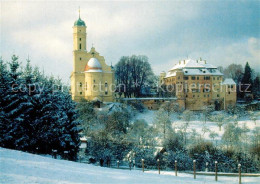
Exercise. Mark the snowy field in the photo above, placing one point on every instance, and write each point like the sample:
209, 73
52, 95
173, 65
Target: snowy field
19, 167
196, 124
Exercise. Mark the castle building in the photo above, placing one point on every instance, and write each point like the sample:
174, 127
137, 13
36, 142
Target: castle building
197, 84
91, 79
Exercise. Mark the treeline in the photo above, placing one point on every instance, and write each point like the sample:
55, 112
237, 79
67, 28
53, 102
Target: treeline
246, 79
134, 76
36, 115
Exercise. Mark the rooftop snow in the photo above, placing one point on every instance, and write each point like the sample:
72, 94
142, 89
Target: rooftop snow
229, 81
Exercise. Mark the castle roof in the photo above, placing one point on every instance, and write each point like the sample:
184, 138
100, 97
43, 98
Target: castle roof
228, 81
192, 67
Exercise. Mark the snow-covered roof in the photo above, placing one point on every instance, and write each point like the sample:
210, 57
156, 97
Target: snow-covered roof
192, 67
228, 81
94, 70
94, 63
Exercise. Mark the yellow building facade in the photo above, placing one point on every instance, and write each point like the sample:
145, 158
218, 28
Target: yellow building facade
197, 84
91, 79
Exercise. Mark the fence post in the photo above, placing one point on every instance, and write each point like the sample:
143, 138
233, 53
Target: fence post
158, 162
194, 168
143, 164
117, 164
66, 155
239, 173
54, 153
207, 170
216, 170
175, 167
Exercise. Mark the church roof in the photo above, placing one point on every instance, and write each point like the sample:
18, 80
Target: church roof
79, 22
93, 65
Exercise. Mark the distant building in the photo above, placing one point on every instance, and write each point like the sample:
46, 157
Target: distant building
197, 84
91, 78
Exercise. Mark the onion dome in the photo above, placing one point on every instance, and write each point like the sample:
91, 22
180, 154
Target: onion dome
79, 22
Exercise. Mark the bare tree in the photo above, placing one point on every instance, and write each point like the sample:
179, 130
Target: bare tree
132, 74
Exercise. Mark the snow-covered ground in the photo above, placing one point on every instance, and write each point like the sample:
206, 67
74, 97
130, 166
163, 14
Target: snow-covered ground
197, 124
20, 167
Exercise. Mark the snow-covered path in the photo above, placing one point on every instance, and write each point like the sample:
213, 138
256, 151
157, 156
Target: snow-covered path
20, 167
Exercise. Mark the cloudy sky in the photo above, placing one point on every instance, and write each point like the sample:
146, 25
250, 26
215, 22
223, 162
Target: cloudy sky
222, 32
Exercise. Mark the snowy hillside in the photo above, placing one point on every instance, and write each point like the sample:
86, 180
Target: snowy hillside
197, 123
20, 167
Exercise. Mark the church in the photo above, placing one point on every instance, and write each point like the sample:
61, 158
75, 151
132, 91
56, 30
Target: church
91, 79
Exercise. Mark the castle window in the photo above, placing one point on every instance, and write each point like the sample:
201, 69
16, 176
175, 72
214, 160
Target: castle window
79, 39
106, 85
80, 58
229, 92
198, 78
186, 78
217, 95
94, 81
80, 46
213, 78
80, 93
193, 78
187, 96
105, 92
80, 84
218, 78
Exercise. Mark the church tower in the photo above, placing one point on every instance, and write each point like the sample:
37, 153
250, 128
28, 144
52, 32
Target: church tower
91, 78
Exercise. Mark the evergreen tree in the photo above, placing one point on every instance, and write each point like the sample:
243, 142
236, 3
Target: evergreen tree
247, 81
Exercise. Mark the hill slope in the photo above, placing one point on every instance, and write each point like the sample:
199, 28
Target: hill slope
20, 167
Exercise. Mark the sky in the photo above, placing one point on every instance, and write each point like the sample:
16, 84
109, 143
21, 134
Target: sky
221, 32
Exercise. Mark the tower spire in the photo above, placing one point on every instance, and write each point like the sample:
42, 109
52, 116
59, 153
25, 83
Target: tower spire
79, 11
